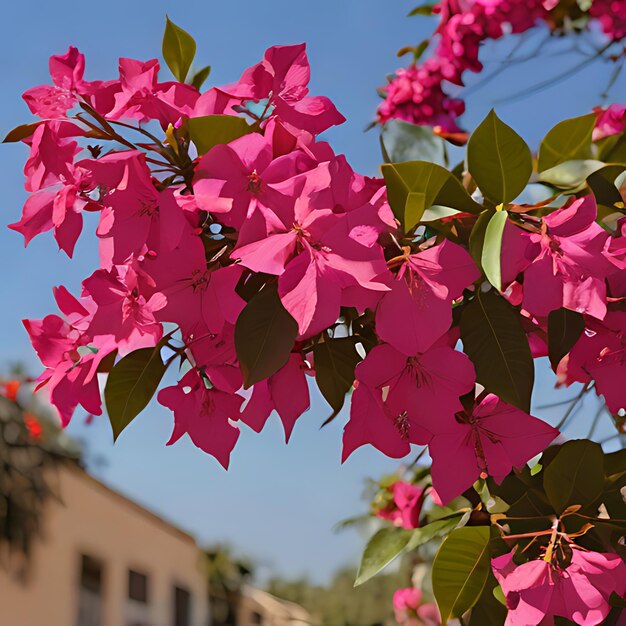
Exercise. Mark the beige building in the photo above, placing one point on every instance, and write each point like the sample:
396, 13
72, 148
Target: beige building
103, 560
257, 607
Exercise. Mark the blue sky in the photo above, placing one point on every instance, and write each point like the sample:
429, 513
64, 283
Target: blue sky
277, 503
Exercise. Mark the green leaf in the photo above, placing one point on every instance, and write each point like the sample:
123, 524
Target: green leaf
489, 611
499, 160
200, 76
208, 131
460, 570
382, 549
564, 329
21, 132
492, 247
423, 9
569, 140
615, 463
424, 534
414, 186
131, 384
575, 475
570, 175
602, 184
179, 49
265, 333
401, 142
335, 360
493, 338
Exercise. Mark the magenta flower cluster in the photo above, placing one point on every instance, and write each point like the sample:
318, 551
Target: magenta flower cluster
420, 93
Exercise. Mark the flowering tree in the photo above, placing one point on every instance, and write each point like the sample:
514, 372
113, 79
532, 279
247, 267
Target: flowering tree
237, 245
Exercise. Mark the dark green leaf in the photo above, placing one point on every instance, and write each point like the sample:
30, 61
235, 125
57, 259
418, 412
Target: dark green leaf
382, 548
200, 76
570, 175
494, 340
460, 570
335, 360
602, 184
615, 463
616, 600
179, 50
499, 160
210, 130
575, 475
415, 186
492, 246
21, 132
131, 384
489, 611
265, 333
569, 140
564, 329
423, 9
401, 142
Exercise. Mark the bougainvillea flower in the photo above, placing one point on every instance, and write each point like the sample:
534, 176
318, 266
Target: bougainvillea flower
54, 101
232, 178
123, 310
537, 591
143, 98
412, 396
70, 356
135, 213
214, 354
567, 266
406, 505
410, 611
198, 297
314, 251
206, 415
279, 85
418, 309
600, 355
489, 440
286, 392
609, 121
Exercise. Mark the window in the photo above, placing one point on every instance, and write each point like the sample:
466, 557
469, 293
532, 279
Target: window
182, 607
137, 587
137, 609
90, 592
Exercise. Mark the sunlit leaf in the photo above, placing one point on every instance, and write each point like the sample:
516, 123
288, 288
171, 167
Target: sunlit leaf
414, 186
569, 140
492, 247
179, 49
208, 131
460, 570
499, 160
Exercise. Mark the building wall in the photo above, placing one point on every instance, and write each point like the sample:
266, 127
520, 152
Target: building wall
100, 523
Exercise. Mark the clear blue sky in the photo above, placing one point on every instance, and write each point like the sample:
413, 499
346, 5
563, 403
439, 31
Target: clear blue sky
277, 503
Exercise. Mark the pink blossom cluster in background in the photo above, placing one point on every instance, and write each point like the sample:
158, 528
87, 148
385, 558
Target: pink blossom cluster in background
410, 610
420, 93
